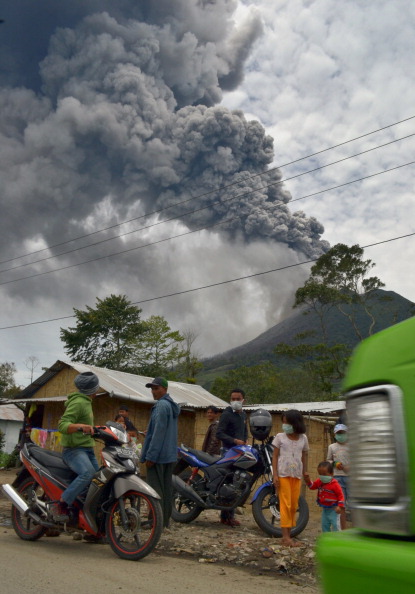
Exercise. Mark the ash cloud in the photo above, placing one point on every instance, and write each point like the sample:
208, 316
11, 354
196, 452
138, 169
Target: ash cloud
122, 116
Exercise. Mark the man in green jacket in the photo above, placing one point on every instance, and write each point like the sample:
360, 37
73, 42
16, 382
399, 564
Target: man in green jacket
78, 447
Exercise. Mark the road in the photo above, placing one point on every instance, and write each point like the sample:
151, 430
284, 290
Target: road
67, 566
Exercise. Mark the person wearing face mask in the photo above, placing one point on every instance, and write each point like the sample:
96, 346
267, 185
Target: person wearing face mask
232, 430
338, 455
330, 495
289, 463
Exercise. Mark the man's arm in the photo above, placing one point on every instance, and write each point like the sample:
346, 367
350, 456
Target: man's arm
161, 414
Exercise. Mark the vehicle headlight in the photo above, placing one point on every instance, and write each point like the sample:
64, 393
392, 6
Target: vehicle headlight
379, 493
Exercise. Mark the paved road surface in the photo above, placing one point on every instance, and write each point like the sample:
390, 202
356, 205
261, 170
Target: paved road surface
67, 566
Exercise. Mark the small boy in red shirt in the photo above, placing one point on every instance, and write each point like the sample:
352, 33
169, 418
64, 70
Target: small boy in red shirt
330, 495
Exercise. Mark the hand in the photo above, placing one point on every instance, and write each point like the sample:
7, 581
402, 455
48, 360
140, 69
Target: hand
149, 463
306, 477
276, 482
339, 466
338, 510
239, 442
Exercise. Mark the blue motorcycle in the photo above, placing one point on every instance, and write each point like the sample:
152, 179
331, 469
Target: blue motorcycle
202, 481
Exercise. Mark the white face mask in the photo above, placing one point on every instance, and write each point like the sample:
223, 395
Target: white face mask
236, 405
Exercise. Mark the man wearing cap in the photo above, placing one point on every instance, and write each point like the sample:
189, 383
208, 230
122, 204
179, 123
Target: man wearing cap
160, 445
338, 455
78, 446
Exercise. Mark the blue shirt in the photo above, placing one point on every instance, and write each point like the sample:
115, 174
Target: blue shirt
160, 444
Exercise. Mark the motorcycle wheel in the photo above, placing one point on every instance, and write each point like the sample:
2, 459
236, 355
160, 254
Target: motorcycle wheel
145, 525
24, 526
185, 510
266, 512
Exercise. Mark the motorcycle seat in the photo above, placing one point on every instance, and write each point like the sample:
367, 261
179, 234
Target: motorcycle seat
203, 456
53, 461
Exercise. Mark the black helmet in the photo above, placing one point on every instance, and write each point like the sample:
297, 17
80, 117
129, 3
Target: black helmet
260, 423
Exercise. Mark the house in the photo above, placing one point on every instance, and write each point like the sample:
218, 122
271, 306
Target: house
45, 397
11, 421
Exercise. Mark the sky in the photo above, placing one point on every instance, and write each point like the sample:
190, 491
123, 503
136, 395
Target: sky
175, 110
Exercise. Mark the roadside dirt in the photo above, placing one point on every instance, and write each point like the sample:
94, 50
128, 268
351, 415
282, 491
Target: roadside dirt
207, 541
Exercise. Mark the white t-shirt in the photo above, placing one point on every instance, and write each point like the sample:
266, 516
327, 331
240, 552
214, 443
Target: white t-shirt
339, 452
290, 454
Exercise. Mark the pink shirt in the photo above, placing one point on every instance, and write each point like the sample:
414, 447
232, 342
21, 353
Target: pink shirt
290, 454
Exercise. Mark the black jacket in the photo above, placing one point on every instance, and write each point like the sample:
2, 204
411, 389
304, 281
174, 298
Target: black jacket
232, 425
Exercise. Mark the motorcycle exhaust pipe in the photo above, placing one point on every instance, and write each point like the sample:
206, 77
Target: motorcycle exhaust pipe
22, 506
15, 498
184, 489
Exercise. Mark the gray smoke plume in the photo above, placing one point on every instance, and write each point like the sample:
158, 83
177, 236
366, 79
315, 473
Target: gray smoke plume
110, 110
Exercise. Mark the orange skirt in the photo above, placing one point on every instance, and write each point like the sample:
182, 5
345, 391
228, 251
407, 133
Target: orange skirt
288, 493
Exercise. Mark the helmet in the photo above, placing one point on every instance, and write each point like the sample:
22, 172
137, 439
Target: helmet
260, 423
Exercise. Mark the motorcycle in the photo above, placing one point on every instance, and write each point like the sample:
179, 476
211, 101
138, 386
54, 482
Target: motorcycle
202, 481
118, 506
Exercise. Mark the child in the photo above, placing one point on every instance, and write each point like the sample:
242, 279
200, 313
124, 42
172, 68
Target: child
289, 462
330, 495
338, 455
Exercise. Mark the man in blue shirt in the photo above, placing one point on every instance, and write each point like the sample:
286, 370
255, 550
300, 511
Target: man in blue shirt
160, 446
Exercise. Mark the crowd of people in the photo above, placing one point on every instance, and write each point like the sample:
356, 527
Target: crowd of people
226, 429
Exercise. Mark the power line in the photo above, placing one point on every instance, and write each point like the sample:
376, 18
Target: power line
220, 189
233, 280
195, 211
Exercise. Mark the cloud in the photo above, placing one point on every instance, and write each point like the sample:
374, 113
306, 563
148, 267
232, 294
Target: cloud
123, 118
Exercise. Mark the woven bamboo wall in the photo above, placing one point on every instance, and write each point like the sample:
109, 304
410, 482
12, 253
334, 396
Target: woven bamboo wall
191, 428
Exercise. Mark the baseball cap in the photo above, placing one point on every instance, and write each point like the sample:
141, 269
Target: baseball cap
340, 427
158, 381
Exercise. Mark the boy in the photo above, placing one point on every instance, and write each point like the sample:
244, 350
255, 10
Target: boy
330, 495
338, 455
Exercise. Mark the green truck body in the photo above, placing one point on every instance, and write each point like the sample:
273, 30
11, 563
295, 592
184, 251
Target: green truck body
378, 554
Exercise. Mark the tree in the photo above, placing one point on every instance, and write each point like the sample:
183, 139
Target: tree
107, 335
31, 363
159, 348
265, 384
340, 279
323, 364
190, 364
8, 387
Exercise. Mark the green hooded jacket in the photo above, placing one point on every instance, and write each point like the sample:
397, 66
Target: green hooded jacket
78, 410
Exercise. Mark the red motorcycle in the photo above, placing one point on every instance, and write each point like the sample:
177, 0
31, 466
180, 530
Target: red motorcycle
118, 506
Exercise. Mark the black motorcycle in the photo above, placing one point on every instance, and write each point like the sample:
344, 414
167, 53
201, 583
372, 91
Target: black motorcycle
118, 506
202, 481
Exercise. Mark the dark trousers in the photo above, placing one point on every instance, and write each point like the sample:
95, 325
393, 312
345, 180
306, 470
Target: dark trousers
159, 477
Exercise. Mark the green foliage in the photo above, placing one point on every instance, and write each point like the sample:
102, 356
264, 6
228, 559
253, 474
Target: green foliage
106, 335
2, 440
264, 384
159, 348
325, 365
339, 279
8, 387
9, 460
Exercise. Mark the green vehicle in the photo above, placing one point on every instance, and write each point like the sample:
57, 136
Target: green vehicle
378, 554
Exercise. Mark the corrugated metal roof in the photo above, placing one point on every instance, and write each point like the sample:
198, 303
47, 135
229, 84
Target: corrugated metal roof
10, 412
129, 386
323, 408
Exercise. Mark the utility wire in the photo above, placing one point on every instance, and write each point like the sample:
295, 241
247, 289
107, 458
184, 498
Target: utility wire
220, 189
233, 280
195, 211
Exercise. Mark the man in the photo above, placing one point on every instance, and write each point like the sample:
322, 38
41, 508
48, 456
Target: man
211, 443
160, 445
78, 447
131, 429
232, 430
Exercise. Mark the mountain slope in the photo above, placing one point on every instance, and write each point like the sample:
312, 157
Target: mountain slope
389, 308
